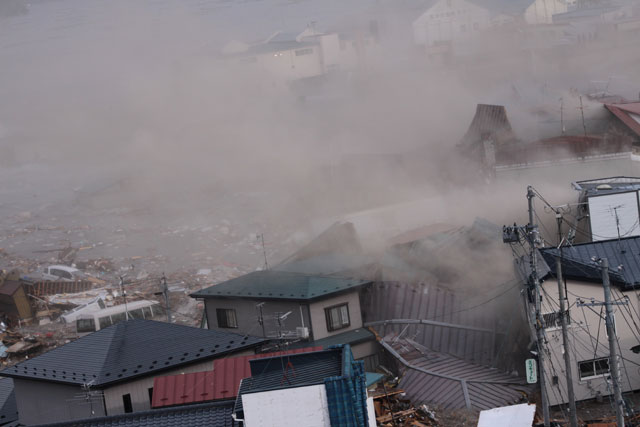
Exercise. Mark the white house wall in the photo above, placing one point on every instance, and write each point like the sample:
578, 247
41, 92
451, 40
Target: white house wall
318, 318
300, 406
585, 326
603, 211
450, 20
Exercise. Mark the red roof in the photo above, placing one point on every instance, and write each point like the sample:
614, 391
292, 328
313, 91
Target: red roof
624, 111
220, 383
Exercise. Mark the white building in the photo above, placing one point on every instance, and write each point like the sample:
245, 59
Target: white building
450, 21
588, 347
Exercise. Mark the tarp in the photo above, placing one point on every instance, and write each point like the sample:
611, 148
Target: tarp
347, 394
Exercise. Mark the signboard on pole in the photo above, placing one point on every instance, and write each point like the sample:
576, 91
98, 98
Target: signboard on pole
532, 371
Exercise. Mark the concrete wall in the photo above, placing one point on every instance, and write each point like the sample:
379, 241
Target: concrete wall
319, 321
589, 341
42, 402
562, 173
246, 314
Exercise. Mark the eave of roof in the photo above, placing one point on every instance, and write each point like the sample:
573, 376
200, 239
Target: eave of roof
281, 285
213, 414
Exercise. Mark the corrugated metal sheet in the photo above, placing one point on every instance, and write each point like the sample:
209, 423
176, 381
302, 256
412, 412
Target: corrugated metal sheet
396, 300
220, 383
437, 378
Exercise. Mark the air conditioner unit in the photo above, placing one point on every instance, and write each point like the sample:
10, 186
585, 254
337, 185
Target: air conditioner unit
302, 331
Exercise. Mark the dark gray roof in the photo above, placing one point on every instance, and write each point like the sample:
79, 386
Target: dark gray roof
623, 256
127, 350
436, 378
215, 414
8, 407
295, 370
280, 285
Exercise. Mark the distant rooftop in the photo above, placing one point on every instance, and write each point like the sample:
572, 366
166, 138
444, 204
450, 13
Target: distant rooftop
280, 285
127, 350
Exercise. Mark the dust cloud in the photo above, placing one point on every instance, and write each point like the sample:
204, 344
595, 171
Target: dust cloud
127, 117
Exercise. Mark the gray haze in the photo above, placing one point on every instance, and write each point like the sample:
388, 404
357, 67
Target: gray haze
122, 116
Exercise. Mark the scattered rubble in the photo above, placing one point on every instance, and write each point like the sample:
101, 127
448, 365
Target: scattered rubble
393, 409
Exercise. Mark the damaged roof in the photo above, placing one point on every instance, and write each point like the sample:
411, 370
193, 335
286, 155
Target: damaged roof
280, 285
623, 256
453, 383
215, 414
490, 121
127, 350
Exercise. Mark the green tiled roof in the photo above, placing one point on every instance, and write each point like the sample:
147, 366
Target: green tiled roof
270, 284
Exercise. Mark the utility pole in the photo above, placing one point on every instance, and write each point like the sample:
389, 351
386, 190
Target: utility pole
573, 416
613, 351
532, 234
124, 295
165, 291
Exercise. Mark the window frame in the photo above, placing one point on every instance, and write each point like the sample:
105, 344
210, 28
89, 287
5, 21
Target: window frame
595, 375
223, 319
338, 308
82, 329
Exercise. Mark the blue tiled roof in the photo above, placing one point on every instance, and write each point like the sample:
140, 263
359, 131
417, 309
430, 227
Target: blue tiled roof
623, 256
280, 285
213, 414
129, 349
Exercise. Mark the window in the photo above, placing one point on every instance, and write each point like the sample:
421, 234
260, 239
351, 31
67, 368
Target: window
150, 391
136, 314
337, 317
105, 322
85, 325
101, 304
61, 273
118, 317
226, 318
301, 52
126, 401
593, 368
147, 312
